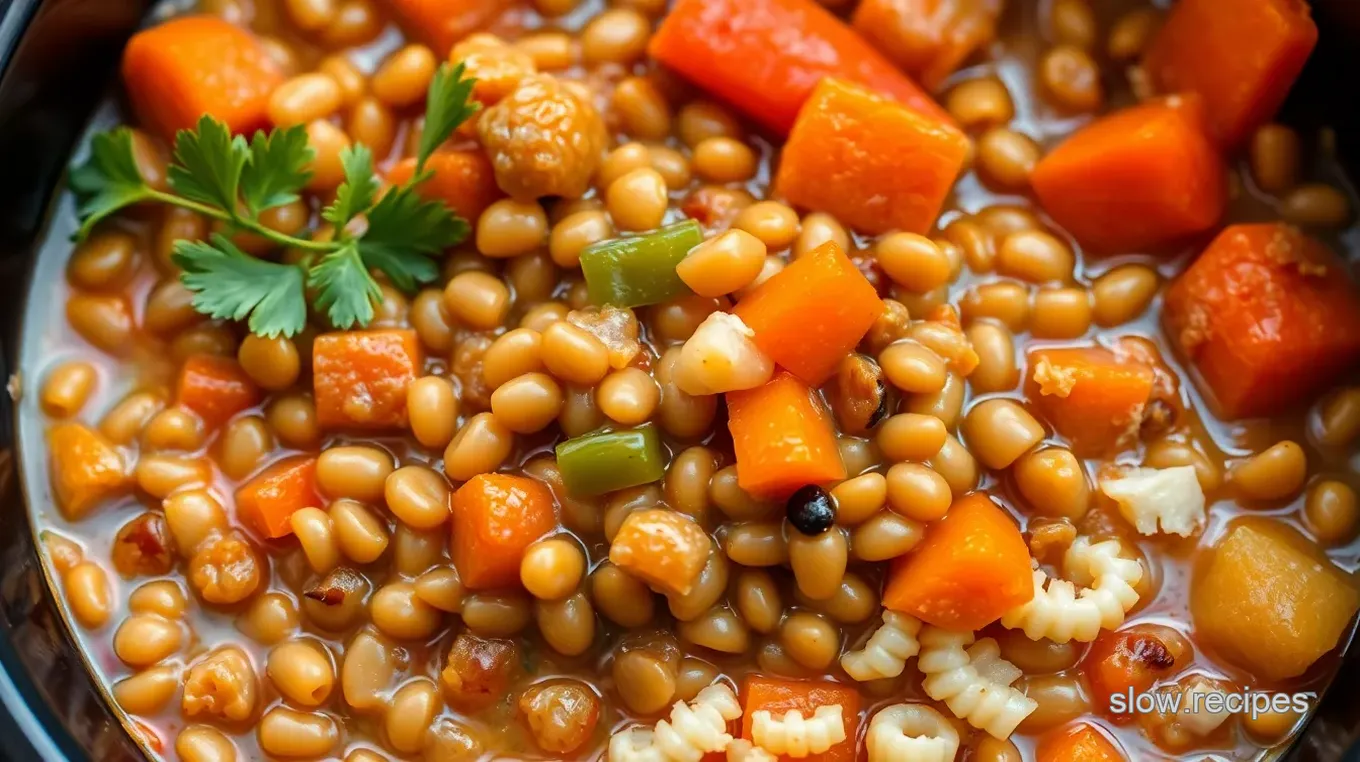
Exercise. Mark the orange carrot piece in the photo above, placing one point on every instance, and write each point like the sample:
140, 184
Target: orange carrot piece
86, 468
495, 518
1140, 177
782, 437
870, 162
811, 314
268, 501
216, 388
463, 180
359, 378
1078, 743
785, 47
194, 65
1091, 395
1200, 50
778, 696
1267, 315
929, 39
971, 567
441, 23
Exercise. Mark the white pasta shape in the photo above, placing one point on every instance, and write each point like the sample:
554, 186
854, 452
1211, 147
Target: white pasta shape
1058, 612
741, 750
985, 702
692, 730
1193, 714
911, 733
795, 735
886, 653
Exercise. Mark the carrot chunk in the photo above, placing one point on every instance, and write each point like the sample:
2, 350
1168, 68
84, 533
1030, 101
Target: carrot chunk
463, 180
441, 23
1200, 49
1143, 176
785, 47
663, 548
495, 518
1268, 317
359, 378
86, 468
267, 502
180, 70
971, 567
782, 437
811, 314
216, 388
1079, 743
929, 39
872, 163
778, 696
1091, 395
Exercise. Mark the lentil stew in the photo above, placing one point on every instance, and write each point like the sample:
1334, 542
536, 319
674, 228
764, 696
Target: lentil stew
703, 379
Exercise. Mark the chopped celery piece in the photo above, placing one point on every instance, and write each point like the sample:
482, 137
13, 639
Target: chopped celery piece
639, 270
604, 461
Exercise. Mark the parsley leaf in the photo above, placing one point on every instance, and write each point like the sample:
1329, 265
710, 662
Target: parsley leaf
448, 104
228, 283
208, 164
277, 168
344, 289
404, 232
108, 180
357, 192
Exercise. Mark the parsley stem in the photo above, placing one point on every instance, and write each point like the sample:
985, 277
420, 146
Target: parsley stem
244, 223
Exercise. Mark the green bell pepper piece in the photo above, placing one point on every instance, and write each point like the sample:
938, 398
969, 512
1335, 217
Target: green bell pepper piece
603, 461
639, 270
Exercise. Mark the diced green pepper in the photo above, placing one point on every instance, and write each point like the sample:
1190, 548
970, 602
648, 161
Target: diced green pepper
639, 270
604, 461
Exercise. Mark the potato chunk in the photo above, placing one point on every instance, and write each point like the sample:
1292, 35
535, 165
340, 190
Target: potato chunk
665, 549
1269, 601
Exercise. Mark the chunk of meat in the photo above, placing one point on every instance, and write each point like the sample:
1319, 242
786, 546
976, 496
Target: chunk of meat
543, 140
478, 671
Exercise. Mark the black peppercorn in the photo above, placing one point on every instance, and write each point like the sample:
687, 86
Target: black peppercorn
811, 510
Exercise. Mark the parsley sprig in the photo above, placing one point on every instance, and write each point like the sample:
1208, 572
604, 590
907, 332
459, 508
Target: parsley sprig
230, 179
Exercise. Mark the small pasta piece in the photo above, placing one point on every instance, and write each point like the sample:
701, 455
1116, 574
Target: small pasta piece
1151, 497
795, 736
952, 677
886, 653
741, 750
692, 730
1059, 613
912, 732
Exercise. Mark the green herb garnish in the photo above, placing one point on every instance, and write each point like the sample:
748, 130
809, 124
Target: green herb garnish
231, 180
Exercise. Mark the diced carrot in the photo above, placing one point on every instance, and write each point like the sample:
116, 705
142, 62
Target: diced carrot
268, 501
928, 38
782, 437
971, 567
1091, 395
663, 548
777, 696
1200, 50
867, 160
86, 468
785, 47
1143, 176
187, 67
463, 180
1078, 743
495, 518
1267, 315
441, 23
216, 388
359, 378
811, 314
